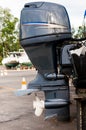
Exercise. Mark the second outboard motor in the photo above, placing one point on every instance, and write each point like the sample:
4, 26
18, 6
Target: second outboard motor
43, 29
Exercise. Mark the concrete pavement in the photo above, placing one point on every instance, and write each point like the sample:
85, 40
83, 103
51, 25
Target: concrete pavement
16, 113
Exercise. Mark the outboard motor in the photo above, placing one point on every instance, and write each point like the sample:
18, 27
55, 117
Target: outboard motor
42, 24
44, 27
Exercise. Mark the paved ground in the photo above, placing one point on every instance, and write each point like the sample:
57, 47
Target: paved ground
16, 113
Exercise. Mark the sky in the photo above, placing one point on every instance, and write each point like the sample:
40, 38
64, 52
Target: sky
75, 8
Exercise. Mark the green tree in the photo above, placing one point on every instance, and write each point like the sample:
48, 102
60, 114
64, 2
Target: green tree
9, 32
80, 32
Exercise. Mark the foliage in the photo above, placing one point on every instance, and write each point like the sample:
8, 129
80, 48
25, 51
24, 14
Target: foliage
80, 32
9, 32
